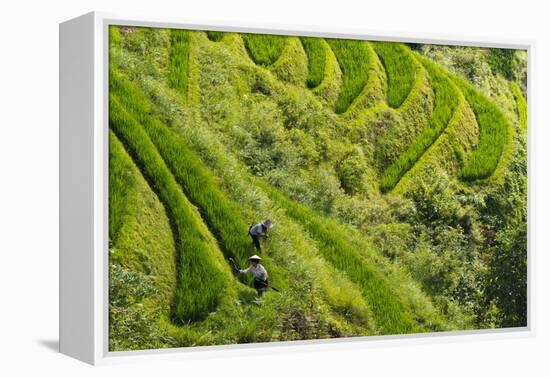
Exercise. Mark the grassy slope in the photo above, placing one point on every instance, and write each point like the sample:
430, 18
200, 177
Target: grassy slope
289, 246
353, 57
144, 241
264, 49
494, 135
521, 105
292, 64
178, 70
300, 244
329, 87
316, 51
212, 149
203, 180
215, 36
389, 312
400, 70
446, 104
197, 270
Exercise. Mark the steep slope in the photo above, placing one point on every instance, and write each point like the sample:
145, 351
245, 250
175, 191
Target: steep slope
314, 134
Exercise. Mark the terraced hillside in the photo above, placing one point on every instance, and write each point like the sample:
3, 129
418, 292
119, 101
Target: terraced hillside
396, 185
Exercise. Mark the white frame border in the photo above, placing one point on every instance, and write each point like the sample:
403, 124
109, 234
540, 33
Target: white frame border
101, 353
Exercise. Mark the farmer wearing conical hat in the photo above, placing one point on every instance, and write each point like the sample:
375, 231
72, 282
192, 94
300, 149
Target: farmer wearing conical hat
259, 230
258, 271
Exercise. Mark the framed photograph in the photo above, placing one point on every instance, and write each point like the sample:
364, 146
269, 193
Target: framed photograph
227, 188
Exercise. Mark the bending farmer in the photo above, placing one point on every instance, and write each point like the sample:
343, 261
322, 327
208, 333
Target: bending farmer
259, 230
259, 272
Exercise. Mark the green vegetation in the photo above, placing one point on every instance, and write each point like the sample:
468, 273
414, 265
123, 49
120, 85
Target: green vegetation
121, 180
390, 313
200, 282
215, 36
494, 132
503, 61
192, 165
447, 100
264, 49
131, 325
198, 184
222, 217
316, 50
521, 105
353, 58
178, 69
400, 70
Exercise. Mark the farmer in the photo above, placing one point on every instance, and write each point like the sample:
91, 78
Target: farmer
259, 230
258, 271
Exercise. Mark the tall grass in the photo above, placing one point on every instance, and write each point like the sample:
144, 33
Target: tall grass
447, 99
198, 183
390, 312
316, 50
264, 49
200, 282
215, 36
494, 130
121, 182
400, 70
178, 67
521, 104
353, 58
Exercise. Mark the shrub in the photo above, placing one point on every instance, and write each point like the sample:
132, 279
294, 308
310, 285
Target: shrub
447, 100
316, 50
131, 325
503, 61
400, 69
178, 68
264, 49
200, 282
350, 171
353, 58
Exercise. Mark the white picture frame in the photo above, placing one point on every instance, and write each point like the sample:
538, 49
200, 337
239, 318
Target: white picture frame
84, 190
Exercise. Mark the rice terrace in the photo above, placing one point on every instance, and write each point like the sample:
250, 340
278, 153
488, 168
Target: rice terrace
392, 178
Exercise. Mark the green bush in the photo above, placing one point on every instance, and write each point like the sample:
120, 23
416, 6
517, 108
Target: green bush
447, 100
200, 282
178, 68
264, 49
131, 325
350, 171
316, 50
400, 70
503, 61
353, 58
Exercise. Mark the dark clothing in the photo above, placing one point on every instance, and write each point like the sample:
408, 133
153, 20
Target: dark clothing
256, 241
255, 232
261, 285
